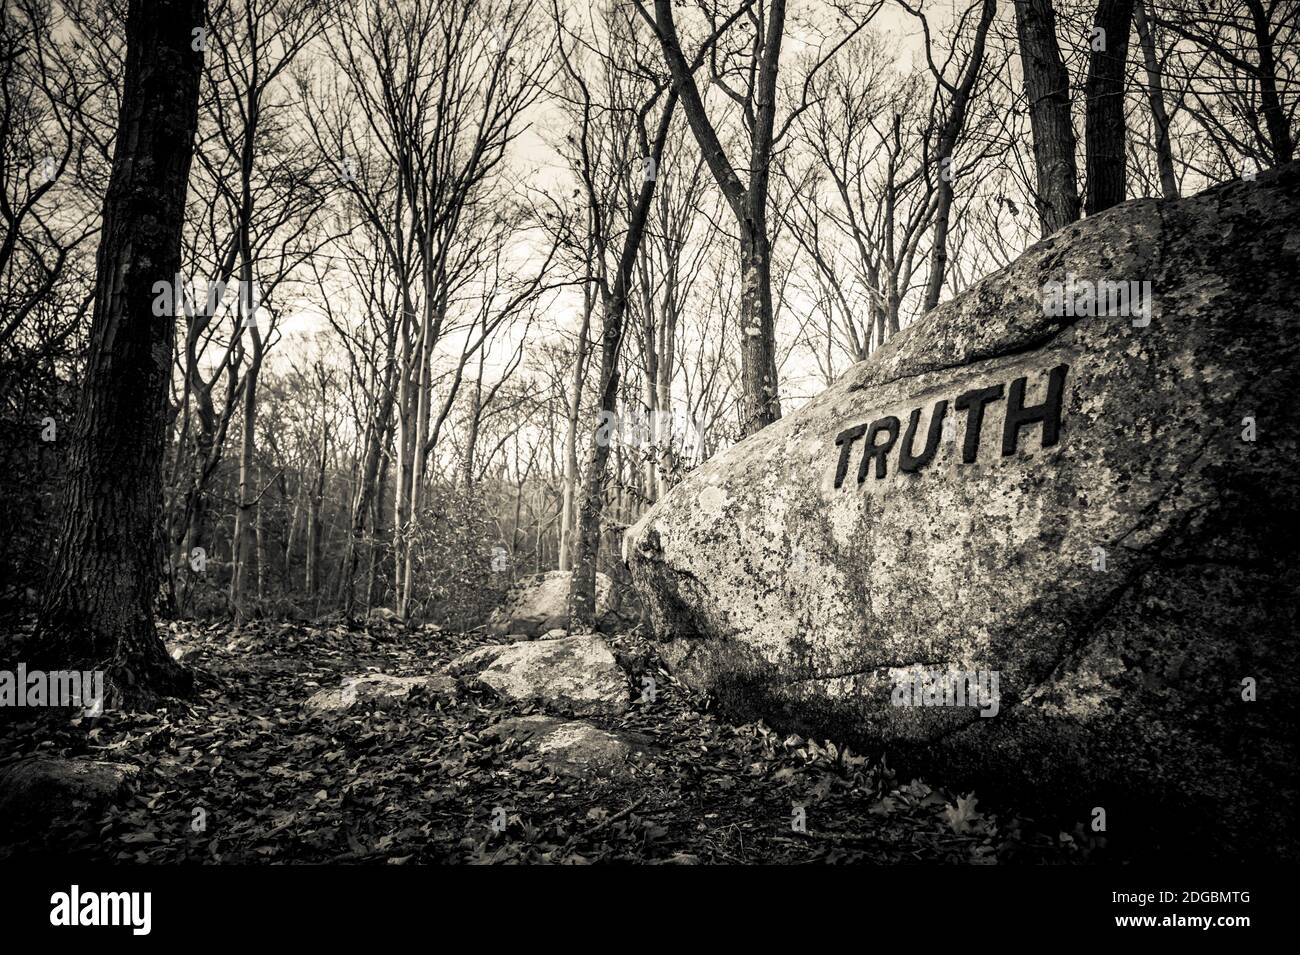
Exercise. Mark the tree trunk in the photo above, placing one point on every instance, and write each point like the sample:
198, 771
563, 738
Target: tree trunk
948, 137
650, 395
418, 459
473, 425
259, 534
1047, 87
569, 494
376, 440
568, 507
98, 607
939, 254
1156, 97
314, 512
242, 541
405, 454
582, 584
1104, 121
760, 405
664, 386
372, 578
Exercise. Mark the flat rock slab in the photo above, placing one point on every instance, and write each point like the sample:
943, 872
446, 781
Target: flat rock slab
574, 747
48, 788
573, 674
378, 689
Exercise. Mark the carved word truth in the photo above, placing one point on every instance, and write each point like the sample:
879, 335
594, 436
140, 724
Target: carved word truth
879, 437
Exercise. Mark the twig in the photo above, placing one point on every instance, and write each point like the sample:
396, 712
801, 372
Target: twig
623, 814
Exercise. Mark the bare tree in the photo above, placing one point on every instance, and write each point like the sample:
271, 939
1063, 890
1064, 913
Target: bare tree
443, 89
949, 131
632, 100
1156, 101
667, 275
861, 209
250, 228
748, 78
748, 200
98, 609
1242, 75
51, 98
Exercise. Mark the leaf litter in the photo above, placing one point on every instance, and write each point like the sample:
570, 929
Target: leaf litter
241, 774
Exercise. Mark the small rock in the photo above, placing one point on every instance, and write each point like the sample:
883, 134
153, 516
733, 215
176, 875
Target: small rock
378, 688
44, 788
183, 654
573, 747
556, 634
523, 727
580, 748
577, 674
539, 604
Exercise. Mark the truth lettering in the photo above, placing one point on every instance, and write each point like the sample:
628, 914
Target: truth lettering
879, 437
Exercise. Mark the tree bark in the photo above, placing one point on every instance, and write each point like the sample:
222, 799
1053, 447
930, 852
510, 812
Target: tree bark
106, 566
1104, 117
760, 404
1047, 87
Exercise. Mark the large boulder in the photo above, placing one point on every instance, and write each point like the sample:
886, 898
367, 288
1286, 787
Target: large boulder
1097, 512
574, 674
538, 604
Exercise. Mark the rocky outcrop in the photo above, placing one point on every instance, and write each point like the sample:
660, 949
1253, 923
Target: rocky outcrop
573, 675
1062, 504
536, 605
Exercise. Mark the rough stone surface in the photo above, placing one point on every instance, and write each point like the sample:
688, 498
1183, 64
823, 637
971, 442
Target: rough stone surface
538, 604
804, 602
46, 788
573, 747
575, 674
378, 689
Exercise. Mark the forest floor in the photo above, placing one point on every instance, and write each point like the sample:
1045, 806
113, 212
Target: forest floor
242, 774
